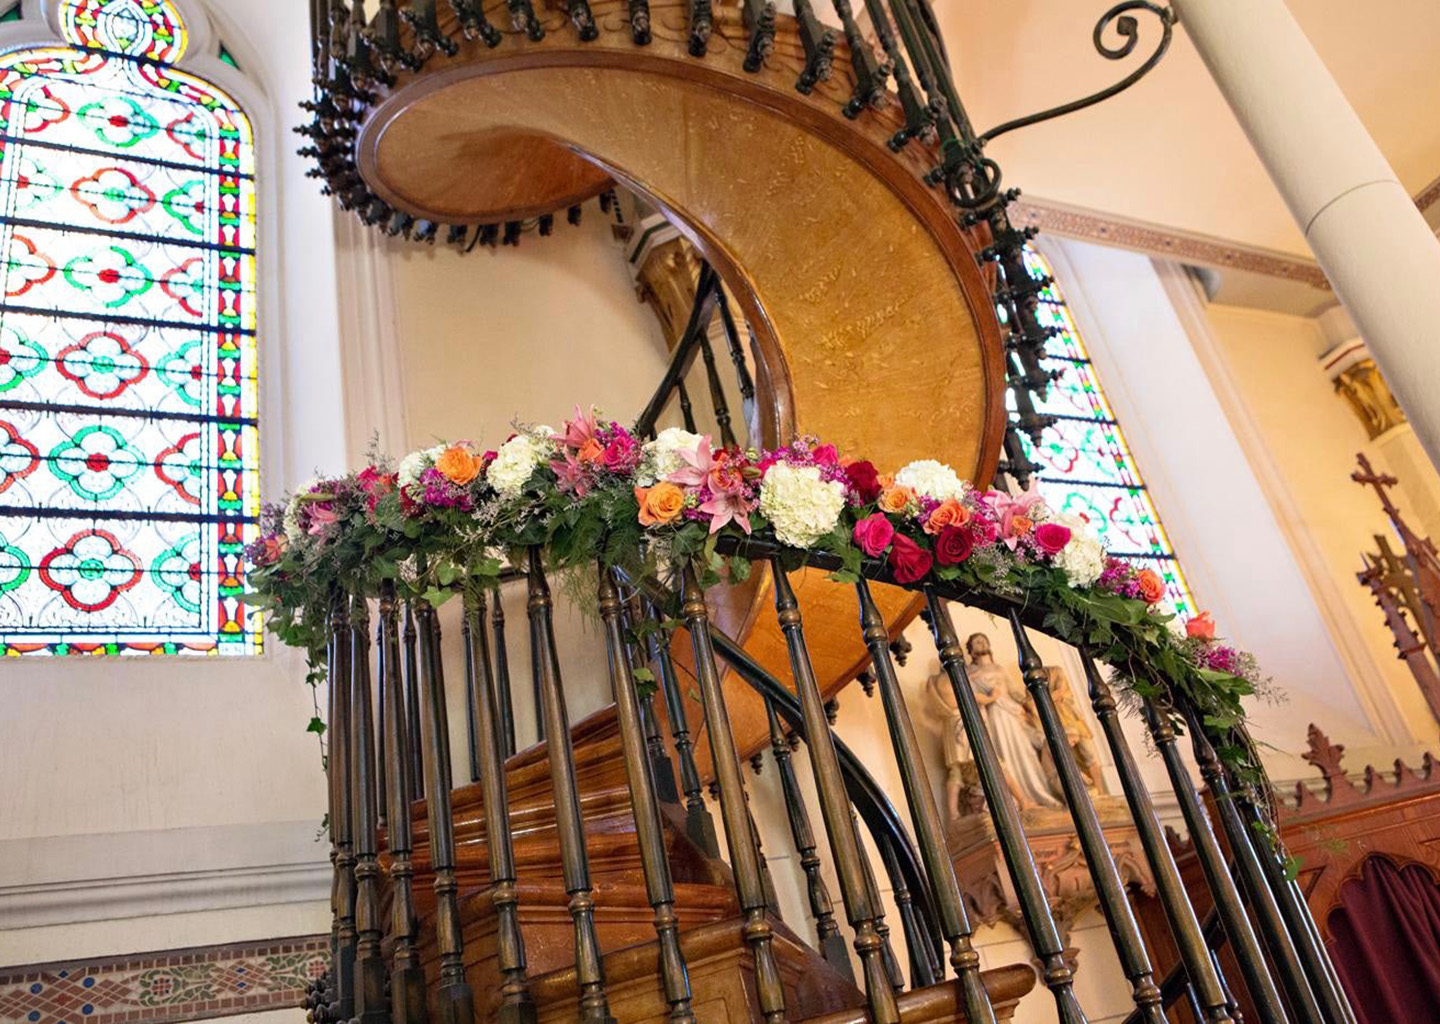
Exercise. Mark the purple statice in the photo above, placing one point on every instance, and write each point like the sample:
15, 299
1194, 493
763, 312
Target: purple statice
1119, 577
439, 492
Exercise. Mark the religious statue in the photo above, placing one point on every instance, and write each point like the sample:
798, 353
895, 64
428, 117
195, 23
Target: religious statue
1078, 736
1017, 740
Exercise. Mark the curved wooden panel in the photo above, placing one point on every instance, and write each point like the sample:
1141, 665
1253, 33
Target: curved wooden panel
873, 325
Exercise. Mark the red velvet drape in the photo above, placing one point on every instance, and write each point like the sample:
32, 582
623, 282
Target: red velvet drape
1385, 941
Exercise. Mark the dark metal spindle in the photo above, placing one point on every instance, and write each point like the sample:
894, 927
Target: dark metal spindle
370, 1002
698, 824
1263, 908
545, 665
827, 932
666, 791
893, 972
1124, 932
1009, 831
516, 1005
1204, 984
415, 740
453, 999
845, 848
1222, 887
342, 764
687, 411
739, 836
737, 353
643, 804
504, 697
473, 675
920, 796
407, 980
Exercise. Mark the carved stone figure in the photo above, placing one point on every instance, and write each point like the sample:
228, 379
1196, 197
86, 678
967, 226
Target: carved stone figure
1078, 735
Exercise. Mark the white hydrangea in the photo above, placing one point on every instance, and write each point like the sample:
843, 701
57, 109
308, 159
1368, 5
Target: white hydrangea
799, 504
1083, 559
516, 460
291, 520
661, 457
412, 465
931, 479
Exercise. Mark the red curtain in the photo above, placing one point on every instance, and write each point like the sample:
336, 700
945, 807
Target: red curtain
1385, 940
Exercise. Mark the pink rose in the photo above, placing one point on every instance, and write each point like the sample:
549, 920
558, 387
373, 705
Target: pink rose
873, 534
984, 531
825, 455
908, 561
1052, 537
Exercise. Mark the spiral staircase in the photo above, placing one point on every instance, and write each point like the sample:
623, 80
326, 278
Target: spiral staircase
832, 180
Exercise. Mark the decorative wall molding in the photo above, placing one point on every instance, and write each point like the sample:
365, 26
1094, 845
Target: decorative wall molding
1184, 247
55, 880
159, 988
1428, 196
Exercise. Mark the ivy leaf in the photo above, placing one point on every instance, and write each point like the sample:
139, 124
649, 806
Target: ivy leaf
316, 726
643, 675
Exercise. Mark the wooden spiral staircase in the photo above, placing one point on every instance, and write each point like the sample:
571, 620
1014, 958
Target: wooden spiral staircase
845, 202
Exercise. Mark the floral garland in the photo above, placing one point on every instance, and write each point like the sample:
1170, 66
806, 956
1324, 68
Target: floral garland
447, 517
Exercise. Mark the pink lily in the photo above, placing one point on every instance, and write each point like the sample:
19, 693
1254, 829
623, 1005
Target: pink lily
1008, 507
701, 462
577, 430
571, 475
727, 508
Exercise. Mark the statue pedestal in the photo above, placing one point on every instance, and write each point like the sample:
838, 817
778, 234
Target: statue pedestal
985, 881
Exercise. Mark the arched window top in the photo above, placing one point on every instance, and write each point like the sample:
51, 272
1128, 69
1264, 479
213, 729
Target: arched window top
152, 29
128, 389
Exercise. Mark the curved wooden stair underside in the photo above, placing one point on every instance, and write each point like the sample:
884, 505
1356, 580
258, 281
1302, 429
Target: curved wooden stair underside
872, 323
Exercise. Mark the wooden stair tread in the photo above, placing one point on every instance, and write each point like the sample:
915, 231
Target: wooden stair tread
943, 1001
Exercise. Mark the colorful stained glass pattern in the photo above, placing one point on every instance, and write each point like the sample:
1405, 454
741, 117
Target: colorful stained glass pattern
128, 402
1086, 466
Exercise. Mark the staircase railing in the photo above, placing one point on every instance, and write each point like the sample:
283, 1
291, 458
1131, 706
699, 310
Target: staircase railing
1282, 966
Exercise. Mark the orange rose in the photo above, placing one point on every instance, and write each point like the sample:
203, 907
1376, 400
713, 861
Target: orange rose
948, 513
1152, 587
660, 504
591, 451
1201, 627
896, 499
458, 464
1021, 525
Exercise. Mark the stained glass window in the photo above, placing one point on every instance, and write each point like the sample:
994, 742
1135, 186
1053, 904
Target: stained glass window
128, 404
1086, 466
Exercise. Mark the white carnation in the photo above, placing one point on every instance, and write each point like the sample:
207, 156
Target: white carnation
661, 457
514, 462
931, 479
291, 520
799, 504
1083, 559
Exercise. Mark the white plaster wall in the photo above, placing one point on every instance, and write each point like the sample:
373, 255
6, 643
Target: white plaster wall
161, 750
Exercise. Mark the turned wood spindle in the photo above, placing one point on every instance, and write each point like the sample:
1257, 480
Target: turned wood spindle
371, 1006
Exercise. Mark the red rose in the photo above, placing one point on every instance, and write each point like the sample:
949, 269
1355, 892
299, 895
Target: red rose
954, 545
1051, 538
864, 480
908, 561
873, 534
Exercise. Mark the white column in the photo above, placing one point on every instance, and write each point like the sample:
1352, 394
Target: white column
1376, 249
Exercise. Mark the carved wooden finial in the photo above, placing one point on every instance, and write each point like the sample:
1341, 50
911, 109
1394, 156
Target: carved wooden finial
1327, 758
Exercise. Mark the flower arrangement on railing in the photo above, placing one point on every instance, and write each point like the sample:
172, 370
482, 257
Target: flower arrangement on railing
446, 518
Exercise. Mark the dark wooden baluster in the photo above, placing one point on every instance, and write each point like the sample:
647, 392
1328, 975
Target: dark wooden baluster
845, 848
737, 354
925, 967
415, 740
324, 993
1222, 887
381, 769
639, 773
1204, 984
687, 411
893, 972
734, 811
370, 1003
663, 772
454, 1000
1009, 831
827, 932
718, 401
767, 881
516, 1005
698, 824
929, 829
1263, 907
343, 765
545, 664
473, 676
407, 980
504, 697
1124, 932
